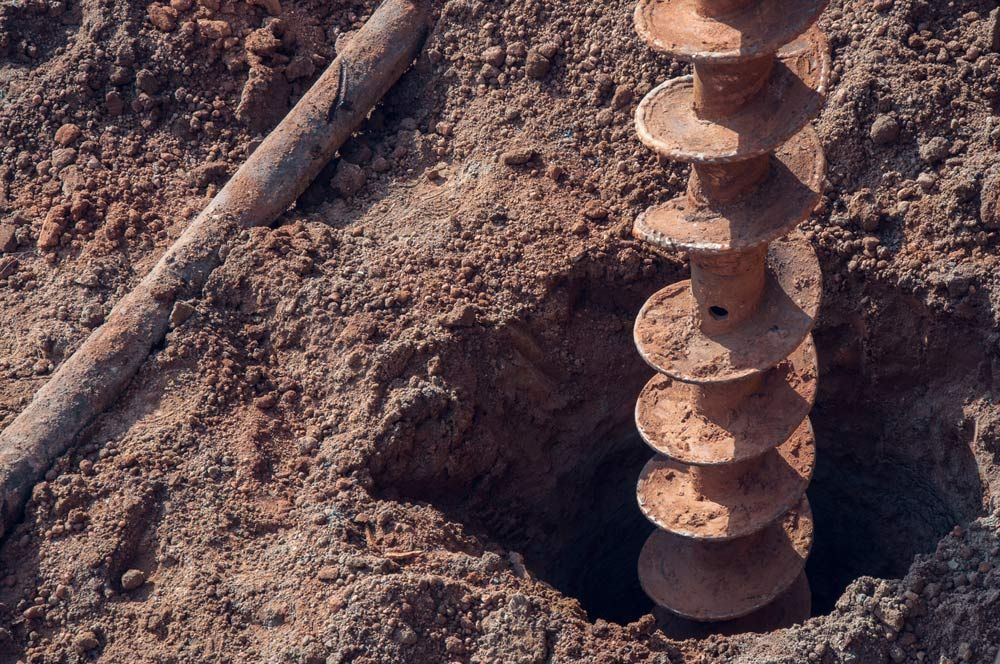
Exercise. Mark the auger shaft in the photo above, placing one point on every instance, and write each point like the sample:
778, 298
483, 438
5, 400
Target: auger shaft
727, 412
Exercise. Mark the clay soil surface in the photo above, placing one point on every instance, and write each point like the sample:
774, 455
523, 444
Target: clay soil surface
396, 426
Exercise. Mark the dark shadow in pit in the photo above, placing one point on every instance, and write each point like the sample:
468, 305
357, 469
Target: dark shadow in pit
895, 471
871, 520
597, 562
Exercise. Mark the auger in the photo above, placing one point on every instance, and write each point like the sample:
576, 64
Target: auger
727, 412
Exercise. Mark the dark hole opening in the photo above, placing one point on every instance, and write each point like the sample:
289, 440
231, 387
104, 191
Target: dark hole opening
718, 313
871, 519
894, 475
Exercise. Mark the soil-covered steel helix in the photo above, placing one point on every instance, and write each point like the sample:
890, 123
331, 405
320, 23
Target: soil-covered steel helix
271, 180
727, 413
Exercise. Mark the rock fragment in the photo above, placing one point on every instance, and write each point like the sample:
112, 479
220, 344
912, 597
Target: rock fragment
8, 266
623, 97
133, 579
934, 150
594, 211
495, 55
8, 238
517, 156
86, 641
348, 179
885, 130
53, 227
863, 210
537, 65
180, 314
67, 134
63, 157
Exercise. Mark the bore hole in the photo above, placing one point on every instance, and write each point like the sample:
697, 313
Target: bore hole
563, 495
718, 313
871, 519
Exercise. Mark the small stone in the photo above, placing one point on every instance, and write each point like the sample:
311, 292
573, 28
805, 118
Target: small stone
517, 564
67, 134
926, 181
8, 238
180, 314
132, 579
966, 188
63, 157
964, 652
79, 207
348, 179
623, 97
934, 150
206, 174
995, 30
146, 81
885, 130
438, 171
579, 228
8, 266
380, 164
114, 103
266, 401
163, 18
53, 227
34, 612
307, 444
548, 49
594, 211
989, 208
517, 156
86, 641
862, 209
92, 315
461, 316
495, 55
328, 574
537, 65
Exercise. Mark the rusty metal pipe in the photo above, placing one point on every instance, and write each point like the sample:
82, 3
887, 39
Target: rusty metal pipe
269, 181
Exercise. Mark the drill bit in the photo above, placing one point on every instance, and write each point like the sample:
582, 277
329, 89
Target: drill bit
727, 412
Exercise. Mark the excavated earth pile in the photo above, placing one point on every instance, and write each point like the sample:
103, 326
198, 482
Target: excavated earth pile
397, 427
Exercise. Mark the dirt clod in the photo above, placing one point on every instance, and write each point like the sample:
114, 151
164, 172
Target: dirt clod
133, 579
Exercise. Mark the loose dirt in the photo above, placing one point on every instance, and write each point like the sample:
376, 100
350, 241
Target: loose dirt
397, 426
